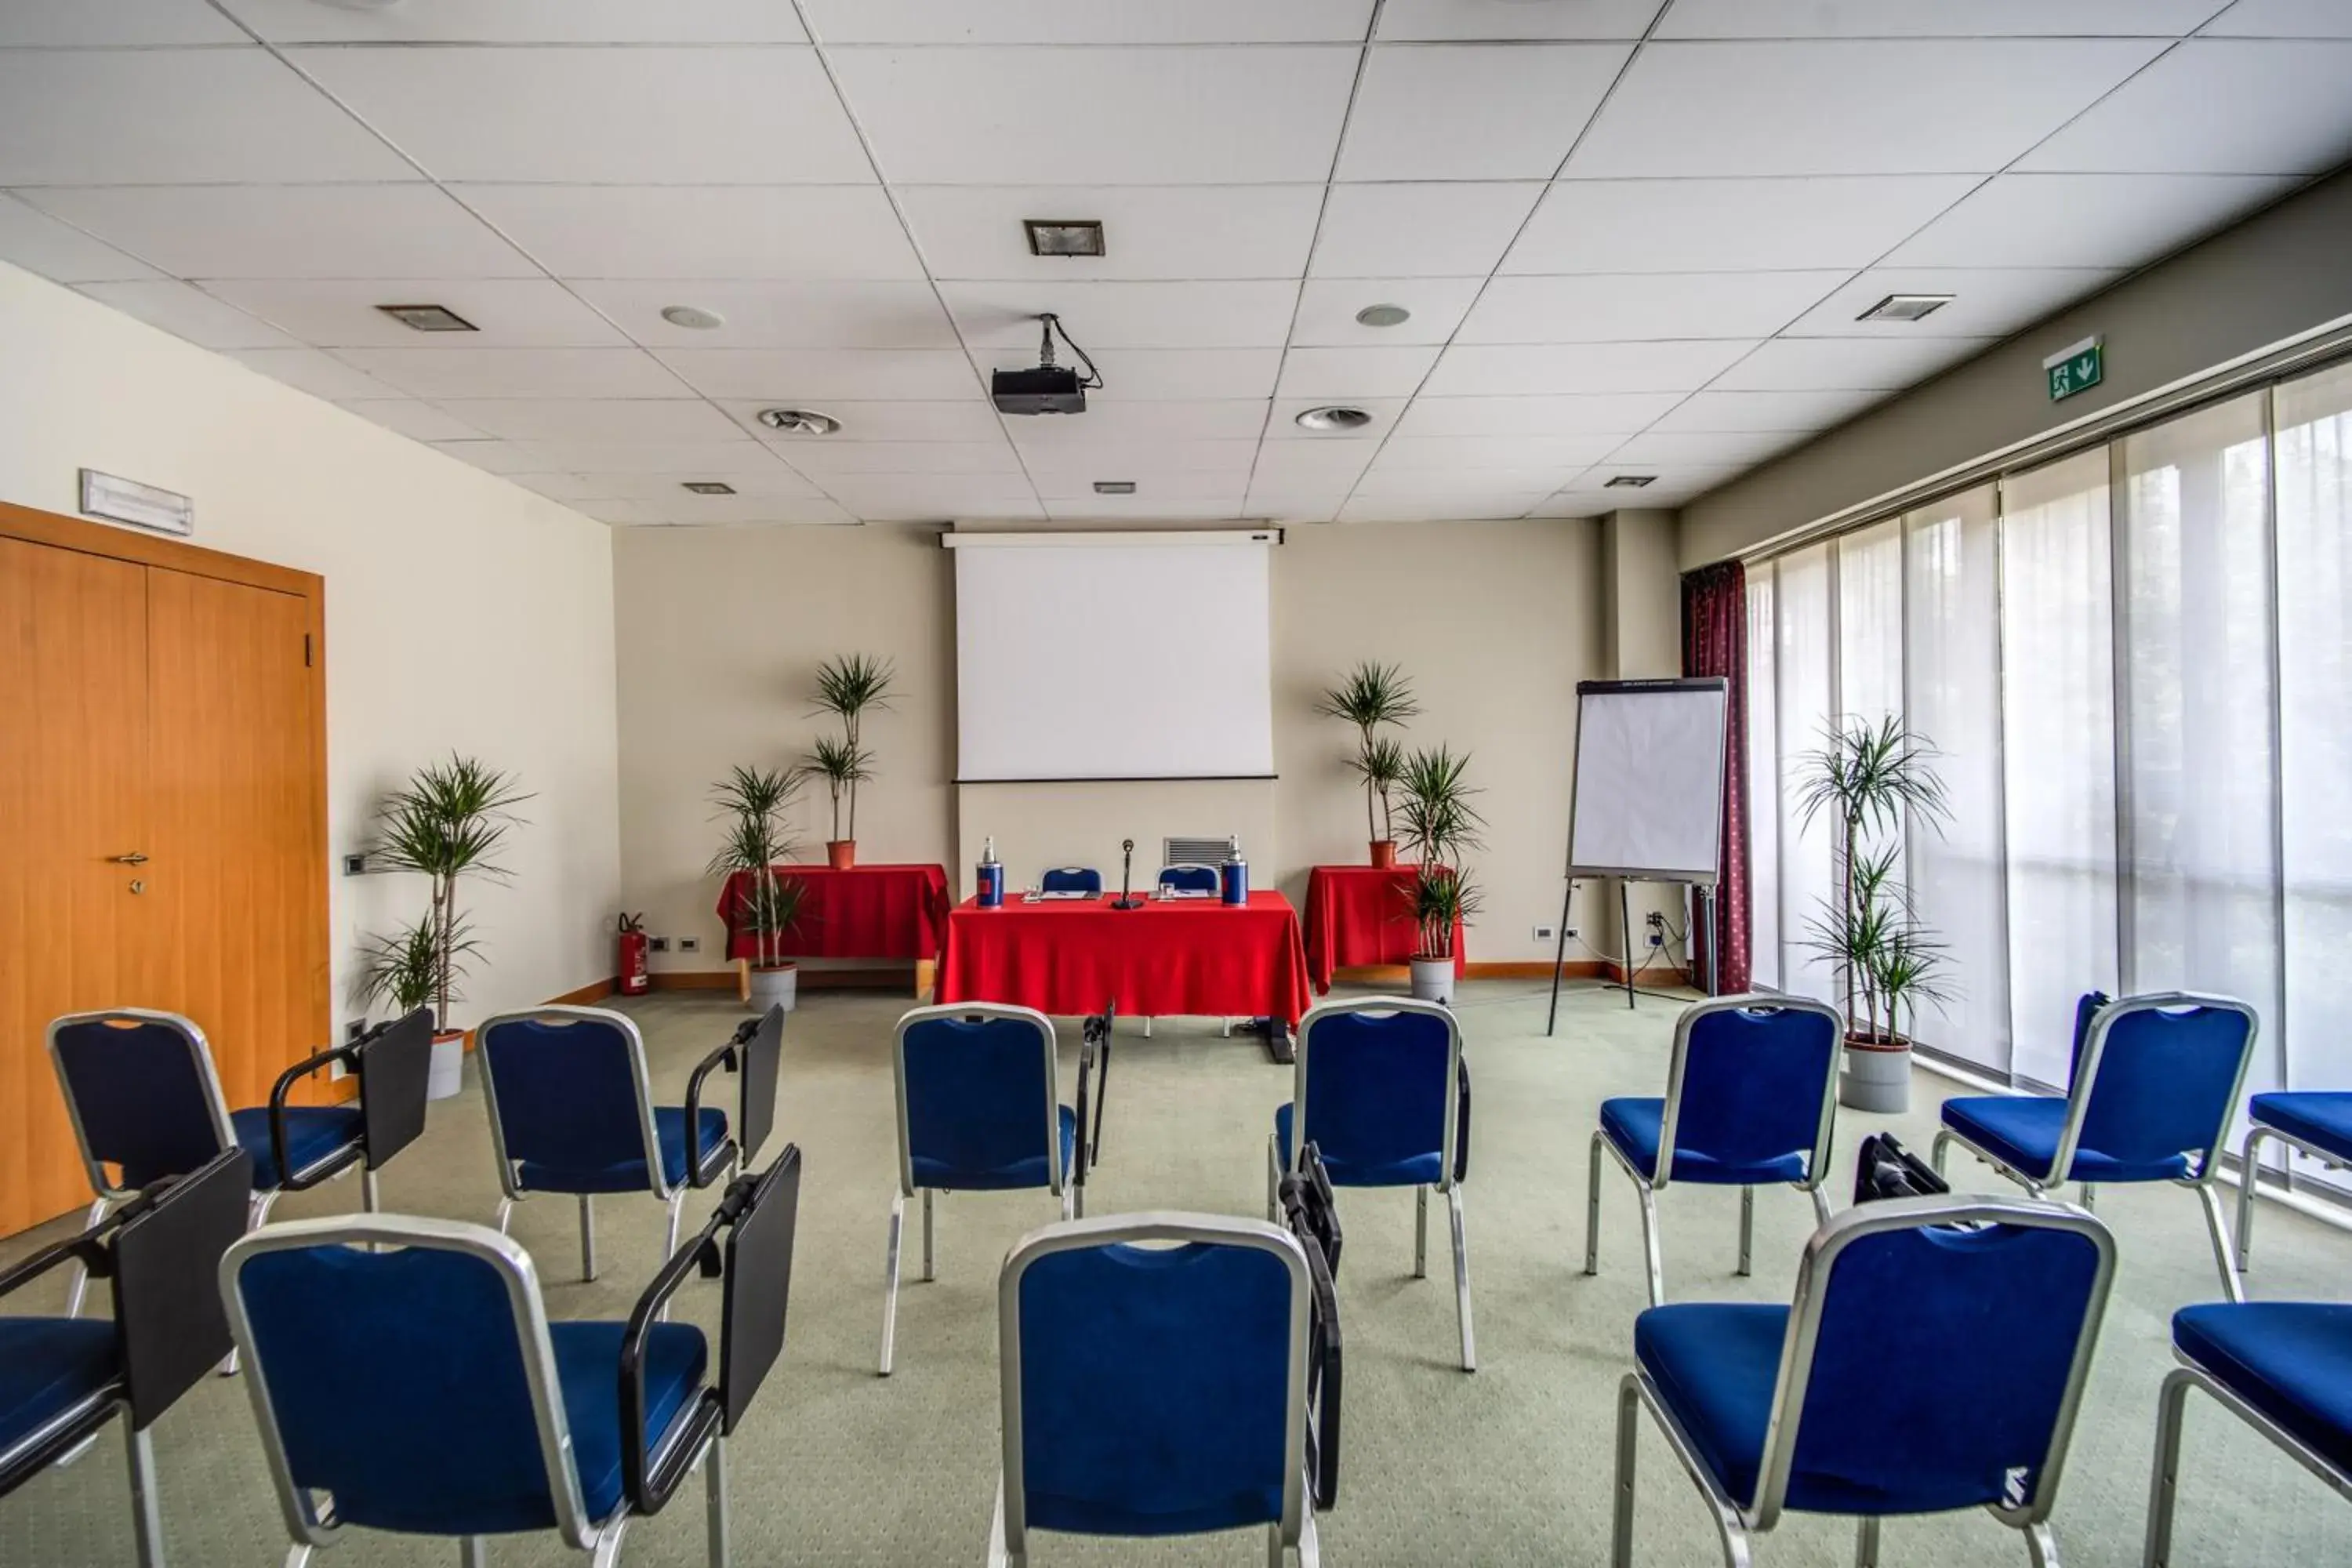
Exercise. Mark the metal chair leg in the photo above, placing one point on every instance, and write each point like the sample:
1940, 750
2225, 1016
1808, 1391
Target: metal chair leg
929, 1272
1074, 1202
1273, 1180
371, 1197
1936, 1153
1821, 1204
1461, 1279
1865, 1541
1592, 1211
1274, 1546
1650, 1244
2250, 1171
607, 1550
2219, 1229
676, 1204
76, 1291
1746, 1231
146, 1509
587, 1237
2163, 1493
2042, 1545
714, 1483
1147, 1028
890, 1281
474, 1551
1621, 1518
506, 1213
2090, 1195
1002, 1553
1421, 1233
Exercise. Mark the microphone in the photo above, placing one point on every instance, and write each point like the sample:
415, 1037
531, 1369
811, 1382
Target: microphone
1127, 898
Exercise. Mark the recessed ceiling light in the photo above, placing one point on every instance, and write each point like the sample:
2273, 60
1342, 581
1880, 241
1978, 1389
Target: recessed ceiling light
1905, 307
1383, 316
799, 421
692, 316
1064, 237
1630, 481
1114, 486
709, 487
1335, 417
429, 318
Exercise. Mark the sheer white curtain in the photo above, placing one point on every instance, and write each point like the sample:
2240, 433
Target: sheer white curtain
1803, 672
2057, 753
1763, 785
1952, 672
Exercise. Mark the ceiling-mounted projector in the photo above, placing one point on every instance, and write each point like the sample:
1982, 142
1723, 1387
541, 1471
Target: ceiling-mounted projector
1048, 388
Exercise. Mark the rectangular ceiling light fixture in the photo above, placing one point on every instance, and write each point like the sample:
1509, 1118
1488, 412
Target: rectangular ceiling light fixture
1114, 486
1630, 481
429, 318
1905, 307
709, 487
1064, 237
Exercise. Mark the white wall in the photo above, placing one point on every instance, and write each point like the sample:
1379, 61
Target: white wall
463, 613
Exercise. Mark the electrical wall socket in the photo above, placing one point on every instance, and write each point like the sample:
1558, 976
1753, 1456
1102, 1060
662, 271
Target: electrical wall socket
354, 1030
657, 944
355, 865
1543, 933
690, 944
1657, 939
1571, 933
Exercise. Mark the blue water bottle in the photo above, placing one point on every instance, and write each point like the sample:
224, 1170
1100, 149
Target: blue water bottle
988, 877
1232, 877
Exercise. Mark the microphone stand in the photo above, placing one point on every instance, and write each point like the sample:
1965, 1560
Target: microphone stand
1127, 898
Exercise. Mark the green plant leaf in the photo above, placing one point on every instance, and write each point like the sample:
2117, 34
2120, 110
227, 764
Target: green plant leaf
1371, 695
848, 686
1439, 824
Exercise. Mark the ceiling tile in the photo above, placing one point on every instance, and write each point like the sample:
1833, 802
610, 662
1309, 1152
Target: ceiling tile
1623, 306
149, 23
491, 457
1283, 425
308, 370
621, 514
1986, 302
752, 471
522, 22
2085, 220
66, 118
1223, 314
1112, 508
41, 244
685, 458
1293, 506
188, 312
1584, 414
1108, 418
1931, 18
765, 232
1149, 231
508, 312
1847, 107
291, 231
1719, 449
816, 313
412, 417
1727, 225
1411, 509
2282, 20
1337, 374
559, 487
640, 419
1152, 491
969, 420
1163, 373
1327, 306
1800, 364
2218, 106
685, 510
1465, 453
1311, 465
1587, 495
822, 460
1125, 460
1513, 369
1403, 20
1458, 488
439, 373
1420, 230
1088, 21
800, 378
1510, 111
940, 495
605, 116
1740, 411
1106, 116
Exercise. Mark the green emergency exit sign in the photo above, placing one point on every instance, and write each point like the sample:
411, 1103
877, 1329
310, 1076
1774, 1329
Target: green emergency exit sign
2075, 369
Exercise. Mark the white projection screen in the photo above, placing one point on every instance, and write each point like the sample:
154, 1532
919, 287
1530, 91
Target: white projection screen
1649, 778
1110, 657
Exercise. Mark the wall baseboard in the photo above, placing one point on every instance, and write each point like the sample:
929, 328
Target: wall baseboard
1653, 978
887, 977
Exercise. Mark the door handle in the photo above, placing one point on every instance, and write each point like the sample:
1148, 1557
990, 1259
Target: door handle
133, 858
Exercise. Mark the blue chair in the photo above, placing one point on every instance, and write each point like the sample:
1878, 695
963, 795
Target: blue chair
2154, 1092
1191, 879
1933, 1359
2315, 1122
571, 1111
1071, 880
1156, 1371
143, 1098
1751, 1098
978, 1113
2285, 1368
1385, 1093
61, 1379
405, 1369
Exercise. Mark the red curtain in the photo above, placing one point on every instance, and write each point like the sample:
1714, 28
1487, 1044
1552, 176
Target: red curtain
1714, 642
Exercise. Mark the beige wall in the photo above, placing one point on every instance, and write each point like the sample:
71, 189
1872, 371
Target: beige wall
2280, 275
462, 612
1642, 638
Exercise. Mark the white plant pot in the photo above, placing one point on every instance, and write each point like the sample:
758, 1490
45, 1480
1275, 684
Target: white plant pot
1433, 980
447, 1074
777, 987
1876, 1080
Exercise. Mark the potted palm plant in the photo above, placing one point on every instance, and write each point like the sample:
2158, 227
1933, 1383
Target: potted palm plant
449, 822
407, 970
1375, 695
752, 803
1440, 826
848, 687
1870, 778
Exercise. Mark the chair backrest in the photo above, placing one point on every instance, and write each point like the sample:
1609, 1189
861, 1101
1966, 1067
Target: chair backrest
394, 1068
1071, 880
1935, 1358
762, 1066
1377, 1081
1754, 1077
1154, 1389
976, 1090
2086, 1010
417, 1386
1191, 879
168, 1317
2160, 1076
143, 1095
566, 1089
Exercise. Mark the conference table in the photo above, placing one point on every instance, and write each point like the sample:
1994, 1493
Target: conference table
859, 911
1358, 916
1171, 958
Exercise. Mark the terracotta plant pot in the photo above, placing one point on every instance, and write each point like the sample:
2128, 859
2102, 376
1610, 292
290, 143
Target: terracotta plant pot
1877, 1076
446, 1074
1383, 853
841, 854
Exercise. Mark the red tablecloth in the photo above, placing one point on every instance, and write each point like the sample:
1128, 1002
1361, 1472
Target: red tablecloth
1179, 957
867, 911
1358, 915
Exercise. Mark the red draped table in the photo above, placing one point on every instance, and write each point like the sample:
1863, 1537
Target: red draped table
866, 912
1360, 915
1173, 958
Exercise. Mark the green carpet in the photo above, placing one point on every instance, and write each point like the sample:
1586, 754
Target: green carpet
1511, 1466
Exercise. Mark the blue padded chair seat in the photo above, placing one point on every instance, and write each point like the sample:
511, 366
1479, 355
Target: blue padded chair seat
1033, 1171
2021, 1132
1413, 1171
312, 1133
47, 1366
2290, 1360
1633, 1125
1714, 1365
588, 1364
2324, 1120
629, 1176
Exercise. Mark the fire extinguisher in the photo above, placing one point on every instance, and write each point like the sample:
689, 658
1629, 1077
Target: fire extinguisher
635, 980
